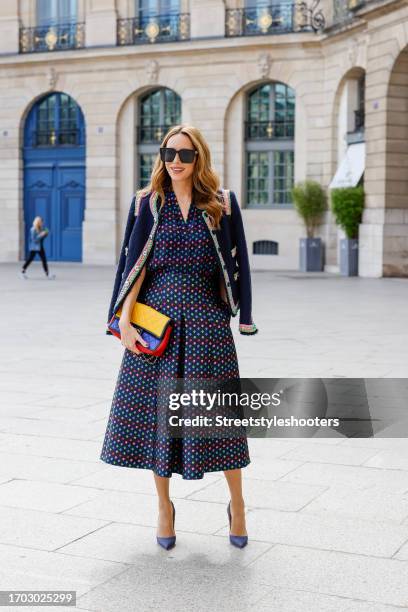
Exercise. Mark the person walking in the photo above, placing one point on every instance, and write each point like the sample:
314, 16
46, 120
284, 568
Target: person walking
38, 233
174, 260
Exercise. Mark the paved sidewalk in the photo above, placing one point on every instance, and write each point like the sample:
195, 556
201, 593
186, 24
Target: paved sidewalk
327, 517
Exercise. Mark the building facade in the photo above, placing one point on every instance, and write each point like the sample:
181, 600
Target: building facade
283, 91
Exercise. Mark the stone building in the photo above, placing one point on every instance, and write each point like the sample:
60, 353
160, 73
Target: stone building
283, 91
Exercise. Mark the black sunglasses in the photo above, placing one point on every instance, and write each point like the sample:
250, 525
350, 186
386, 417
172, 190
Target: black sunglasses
167, 154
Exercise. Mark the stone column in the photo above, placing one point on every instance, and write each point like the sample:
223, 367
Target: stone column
100, 105
99, 237
383, 234
100, 23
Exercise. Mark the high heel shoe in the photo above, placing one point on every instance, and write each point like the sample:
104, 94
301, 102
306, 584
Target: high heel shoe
238, 541
169, 542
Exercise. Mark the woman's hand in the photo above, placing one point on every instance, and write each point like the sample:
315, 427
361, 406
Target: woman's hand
129, 336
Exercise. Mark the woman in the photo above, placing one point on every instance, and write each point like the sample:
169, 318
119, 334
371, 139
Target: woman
36, 239
178, 259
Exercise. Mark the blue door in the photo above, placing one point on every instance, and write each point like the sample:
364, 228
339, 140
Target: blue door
54, 174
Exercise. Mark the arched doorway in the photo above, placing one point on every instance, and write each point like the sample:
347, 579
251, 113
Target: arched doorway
54, 174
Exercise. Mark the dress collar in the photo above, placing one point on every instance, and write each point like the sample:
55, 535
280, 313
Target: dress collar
170, 192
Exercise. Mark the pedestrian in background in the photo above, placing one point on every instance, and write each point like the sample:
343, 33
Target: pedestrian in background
38, 233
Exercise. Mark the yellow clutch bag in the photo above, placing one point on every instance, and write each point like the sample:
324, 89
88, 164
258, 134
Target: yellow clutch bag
153, 326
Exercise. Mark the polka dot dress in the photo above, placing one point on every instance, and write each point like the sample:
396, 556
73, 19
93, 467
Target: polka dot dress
182, 282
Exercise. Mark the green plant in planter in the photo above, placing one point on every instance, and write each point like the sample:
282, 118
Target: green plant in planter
347, 206
310, 201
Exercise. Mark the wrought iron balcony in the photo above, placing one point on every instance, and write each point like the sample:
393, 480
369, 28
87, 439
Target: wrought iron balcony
55, 138
154, 28
151, 134
277, 18
269, 130
52, 37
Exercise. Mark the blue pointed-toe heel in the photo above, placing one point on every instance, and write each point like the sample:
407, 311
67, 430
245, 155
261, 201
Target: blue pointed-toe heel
238, 541
169, 542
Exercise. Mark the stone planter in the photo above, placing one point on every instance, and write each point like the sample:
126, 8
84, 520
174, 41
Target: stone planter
349, 257
310, 255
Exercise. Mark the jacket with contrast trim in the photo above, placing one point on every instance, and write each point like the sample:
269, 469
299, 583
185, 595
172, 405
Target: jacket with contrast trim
229, 244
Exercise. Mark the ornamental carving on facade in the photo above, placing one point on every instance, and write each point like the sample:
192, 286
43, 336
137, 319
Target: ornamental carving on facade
264, 65
152, 71
52, 77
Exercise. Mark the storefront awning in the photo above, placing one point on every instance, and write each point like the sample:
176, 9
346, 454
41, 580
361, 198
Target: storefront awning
351, 167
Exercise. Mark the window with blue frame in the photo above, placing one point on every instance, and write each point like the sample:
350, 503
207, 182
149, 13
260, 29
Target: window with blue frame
154, 21
159, 20
56, 11
268, 16
57, 28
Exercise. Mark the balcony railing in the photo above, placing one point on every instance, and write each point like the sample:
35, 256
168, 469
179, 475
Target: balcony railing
55, 138
269, 130
52, 37
154, 28
277, 18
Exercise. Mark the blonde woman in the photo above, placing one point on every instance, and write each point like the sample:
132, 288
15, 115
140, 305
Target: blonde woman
36, 238
184, 253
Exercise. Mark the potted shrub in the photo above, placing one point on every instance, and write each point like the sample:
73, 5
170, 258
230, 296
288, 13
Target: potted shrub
310, 202
347, 206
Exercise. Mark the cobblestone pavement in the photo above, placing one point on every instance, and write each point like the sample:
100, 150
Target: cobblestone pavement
327, 516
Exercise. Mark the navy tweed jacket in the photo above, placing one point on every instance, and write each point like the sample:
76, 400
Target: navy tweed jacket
229, 244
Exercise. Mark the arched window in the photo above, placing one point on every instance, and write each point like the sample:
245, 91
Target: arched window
55, 121
158, 111
269, 144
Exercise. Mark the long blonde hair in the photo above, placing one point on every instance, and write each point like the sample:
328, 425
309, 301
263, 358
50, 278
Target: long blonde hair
37, 223
205, 180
